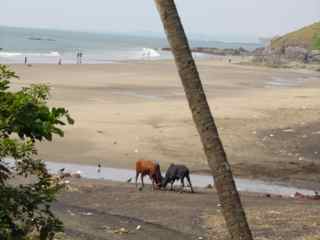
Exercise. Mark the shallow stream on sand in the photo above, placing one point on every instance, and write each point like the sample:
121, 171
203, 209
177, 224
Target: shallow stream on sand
122, 175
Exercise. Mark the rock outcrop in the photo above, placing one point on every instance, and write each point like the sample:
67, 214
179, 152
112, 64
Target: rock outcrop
218, 51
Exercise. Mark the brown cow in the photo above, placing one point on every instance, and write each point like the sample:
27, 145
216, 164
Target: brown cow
151, 168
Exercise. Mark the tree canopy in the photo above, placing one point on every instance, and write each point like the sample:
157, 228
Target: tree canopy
25, 118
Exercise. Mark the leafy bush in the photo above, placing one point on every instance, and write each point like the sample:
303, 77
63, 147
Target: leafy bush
24, 119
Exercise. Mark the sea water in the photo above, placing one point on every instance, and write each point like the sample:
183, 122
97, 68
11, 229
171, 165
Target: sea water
51, 46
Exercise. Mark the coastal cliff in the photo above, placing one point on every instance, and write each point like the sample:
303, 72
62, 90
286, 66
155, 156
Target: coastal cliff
302, 45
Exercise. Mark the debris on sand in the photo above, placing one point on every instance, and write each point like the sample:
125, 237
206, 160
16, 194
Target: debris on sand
107, 228
86, 213
298, 195
274, 212
138, 227
71, 213
288, 130
120, 231
268, 195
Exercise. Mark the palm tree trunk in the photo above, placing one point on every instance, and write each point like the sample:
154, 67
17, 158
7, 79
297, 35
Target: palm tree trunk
228, 195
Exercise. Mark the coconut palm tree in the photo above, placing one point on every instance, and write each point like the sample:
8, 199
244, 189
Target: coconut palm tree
228, 195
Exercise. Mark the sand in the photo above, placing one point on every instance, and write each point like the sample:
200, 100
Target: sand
131, 110
98, 209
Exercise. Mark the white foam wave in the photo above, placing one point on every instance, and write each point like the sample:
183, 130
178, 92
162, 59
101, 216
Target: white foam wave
18, 54
10, 54
149, 52
53, 54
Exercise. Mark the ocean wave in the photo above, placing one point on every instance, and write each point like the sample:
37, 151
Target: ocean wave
18, 54
53, 54
150, 52
10, 54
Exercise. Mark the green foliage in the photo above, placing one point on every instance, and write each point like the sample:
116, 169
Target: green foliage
24, 119
316, 42
306, 37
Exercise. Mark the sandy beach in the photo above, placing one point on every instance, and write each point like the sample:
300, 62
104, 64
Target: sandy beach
268, 118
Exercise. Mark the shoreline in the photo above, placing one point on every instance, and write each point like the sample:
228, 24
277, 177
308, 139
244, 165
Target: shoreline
214, 60
118, 175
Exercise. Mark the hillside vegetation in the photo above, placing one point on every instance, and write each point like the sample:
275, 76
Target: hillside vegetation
307, 37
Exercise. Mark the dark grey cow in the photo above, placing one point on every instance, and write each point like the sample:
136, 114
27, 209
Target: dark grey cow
176, 172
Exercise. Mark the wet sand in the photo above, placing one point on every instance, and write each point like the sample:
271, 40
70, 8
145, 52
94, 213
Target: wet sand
99, 209
127, 111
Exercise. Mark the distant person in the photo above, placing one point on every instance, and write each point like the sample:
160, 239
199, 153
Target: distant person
60, 61
80, 57
77, 57
25, 60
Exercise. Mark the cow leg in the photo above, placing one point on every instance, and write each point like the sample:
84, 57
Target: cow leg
188, 178
137, 175
171, 185
152, 180
142, 176
182, 183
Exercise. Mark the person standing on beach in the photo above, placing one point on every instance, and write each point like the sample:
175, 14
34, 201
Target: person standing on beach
80, 57
25, 60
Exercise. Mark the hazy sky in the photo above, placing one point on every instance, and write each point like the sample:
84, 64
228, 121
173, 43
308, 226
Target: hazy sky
222, 19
